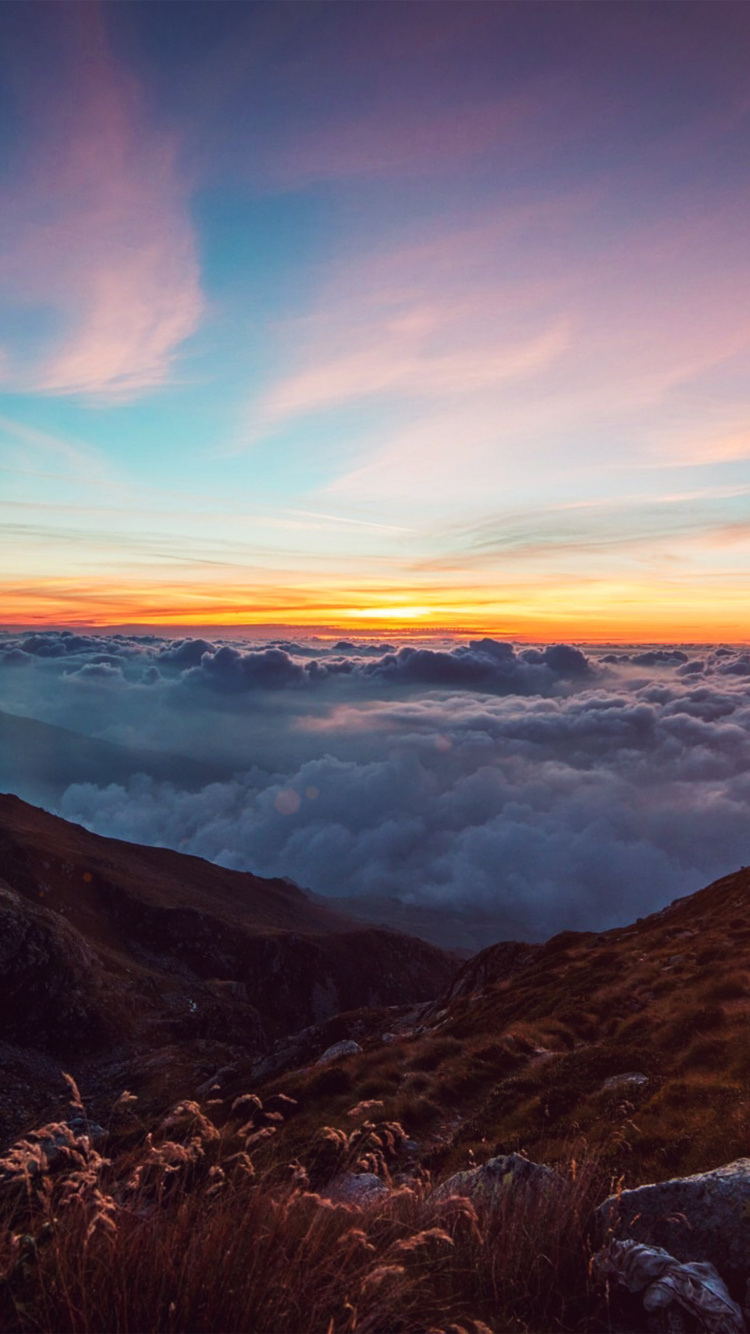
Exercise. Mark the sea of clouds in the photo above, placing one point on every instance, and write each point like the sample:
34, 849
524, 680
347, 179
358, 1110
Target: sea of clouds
548, 787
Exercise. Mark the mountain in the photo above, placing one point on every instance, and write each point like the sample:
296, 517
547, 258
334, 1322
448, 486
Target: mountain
309, 1101
634, 1042
112, 955
40, 760
146, 968
450, 928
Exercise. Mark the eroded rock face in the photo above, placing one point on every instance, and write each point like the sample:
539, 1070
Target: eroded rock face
495, 964
701, 1217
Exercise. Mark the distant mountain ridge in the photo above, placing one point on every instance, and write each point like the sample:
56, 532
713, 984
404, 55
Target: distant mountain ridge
447, 925
40, 760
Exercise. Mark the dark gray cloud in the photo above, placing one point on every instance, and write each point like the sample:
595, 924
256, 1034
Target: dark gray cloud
229, 669
662, 657
485, 664
185, 652
555, 787
100, 669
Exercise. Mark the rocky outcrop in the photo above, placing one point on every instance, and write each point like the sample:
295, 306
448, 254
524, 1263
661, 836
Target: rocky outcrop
48, 984
705, 1217
47, 1148
358, 1188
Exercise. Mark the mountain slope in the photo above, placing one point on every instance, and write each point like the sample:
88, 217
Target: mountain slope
635, 1041
107, 947
146, 968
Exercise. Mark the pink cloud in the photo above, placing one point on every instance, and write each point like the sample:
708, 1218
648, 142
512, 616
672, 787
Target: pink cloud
96, 233
399, 362
438, 318
534, 337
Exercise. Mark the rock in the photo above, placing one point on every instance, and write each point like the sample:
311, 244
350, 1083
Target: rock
485, 1185
665, 1283
49, 1147
339, 1049
701, 1217
360, 1188
624, 1082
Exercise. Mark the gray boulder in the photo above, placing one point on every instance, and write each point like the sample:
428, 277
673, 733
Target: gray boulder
695, 1218
487, 1184
339, 1049
624, 1083
360, 1188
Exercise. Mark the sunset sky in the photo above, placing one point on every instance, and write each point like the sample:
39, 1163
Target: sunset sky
432, 316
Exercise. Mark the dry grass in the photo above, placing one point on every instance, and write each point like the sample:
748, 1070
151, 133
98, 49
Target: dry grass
218, 1218
180, 1230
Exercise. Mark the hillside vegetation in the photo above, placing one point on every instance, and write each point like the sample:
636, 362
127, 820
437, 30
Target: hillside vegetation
269, 1183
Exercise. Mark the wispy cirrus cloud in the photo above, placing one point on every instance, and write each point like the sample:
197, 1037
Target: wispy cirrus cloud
98, 259
431, 318
641, 334
399, 361
75, 458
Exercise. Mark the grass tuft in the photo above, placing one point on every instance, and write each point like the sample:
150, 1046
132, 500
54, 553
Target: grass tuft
185, 1232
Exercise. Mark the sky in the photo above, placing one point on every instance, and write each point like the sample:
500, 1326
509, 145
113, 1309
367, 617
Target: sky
430, 318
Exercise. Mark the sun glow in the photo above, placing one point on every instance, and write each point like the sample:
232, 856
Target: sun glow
390, 613
666, 610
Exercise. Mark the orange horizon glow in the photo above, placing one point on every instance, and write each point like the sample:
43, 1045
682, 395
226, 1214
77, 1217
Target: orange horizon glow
659, 613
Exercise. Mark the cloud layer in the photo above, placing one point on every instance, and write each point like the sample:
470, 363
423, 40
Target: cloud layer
549, 787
